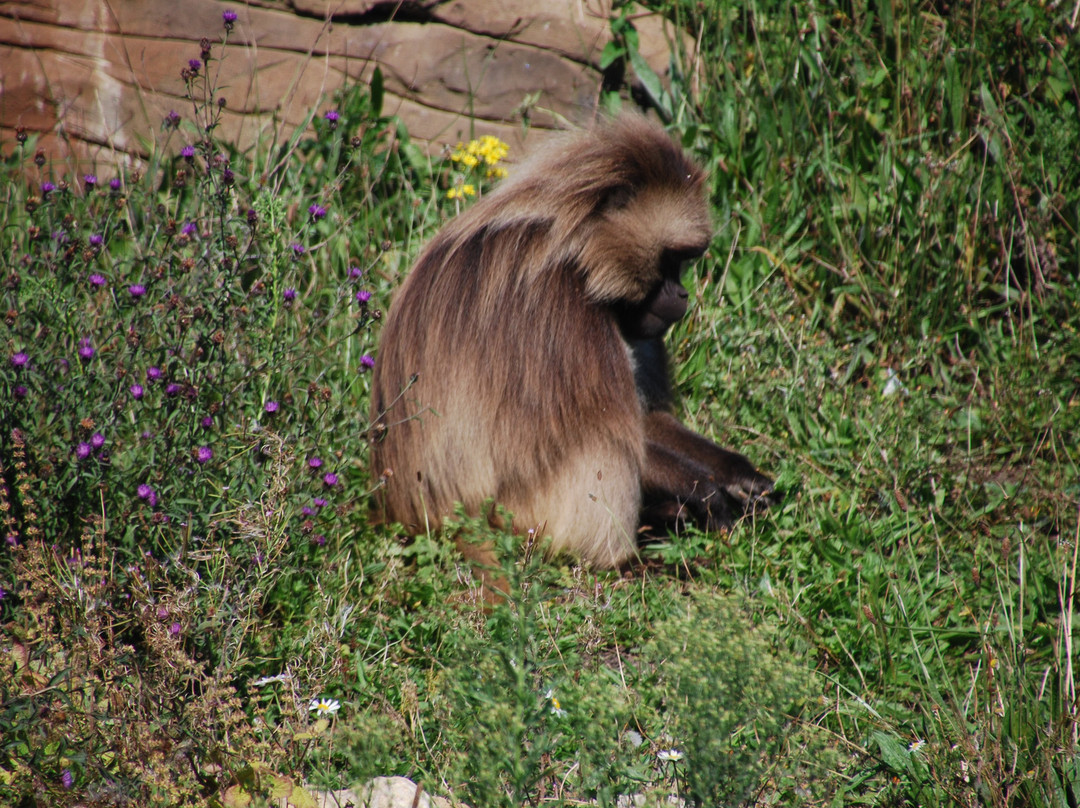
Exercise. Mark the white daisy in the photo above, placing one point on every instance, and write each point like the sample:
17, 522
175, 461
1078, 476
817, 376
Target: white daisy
555, 708
324, 706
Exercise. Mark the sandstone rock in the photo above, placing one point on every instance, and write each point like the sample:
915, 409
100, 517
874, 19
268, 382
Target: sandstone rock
94, 79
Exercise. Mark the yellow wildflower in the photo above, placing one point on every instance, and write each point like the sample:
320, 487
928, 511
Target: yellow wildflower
460, 192
489, 149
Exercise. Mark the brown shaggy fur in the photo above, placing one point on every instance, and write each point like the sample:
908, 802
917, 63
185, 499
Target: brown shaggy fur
524, 389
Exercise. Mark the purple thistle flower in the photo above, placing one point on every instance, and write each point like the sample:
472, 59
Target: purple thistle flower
298, 250
173, 389
307, 511
363, 296
136, 391
20, 359
194, 65
20, 391
97, 440
330, 479
96, 240
89, 180
172, 120
314, 463
204, 453
332, 115
189, 229
47, 188
271, 407
355, 273
228, 17
289, 295
137, 290
367, 362
97, 280
82, 451
188, 152
319, 502
317, 212
174, 629
318, 539
207, 421
153, 373
114, 184
66, 779
147, 494
86, 349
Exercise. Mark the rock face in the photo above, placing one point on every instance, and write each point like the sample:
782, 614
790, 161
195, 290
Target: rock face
96, 78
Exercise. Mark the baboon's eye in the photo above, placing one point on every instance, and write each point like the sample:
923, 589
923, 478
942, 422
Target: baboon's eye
673, 260
615, 198
686, 253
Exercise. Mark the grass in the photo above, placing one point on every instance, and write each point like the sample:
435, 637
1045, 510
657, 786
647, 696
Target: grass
887, 321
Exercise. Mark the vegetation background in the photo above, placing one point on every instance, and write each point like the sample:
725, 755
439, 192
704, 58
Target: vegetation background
194, 608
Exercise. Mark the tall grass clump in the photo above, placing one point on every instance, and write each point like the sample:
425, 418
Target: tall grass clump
836, 133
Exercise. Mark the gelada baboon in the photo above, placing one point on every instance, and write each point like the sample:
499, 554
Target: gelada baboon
522, 360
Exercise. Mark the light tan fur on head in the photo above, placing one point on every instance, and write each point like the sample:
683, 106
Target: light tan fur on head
525, 393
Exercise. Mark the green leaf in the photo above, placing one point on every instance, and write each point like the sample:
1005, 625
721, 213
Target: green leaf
1056, 89
879, 76
300, 798
955, 92
281, 786
612, 52
611, 103
893, 752
236, 796
651, 82
993, 141
886, 11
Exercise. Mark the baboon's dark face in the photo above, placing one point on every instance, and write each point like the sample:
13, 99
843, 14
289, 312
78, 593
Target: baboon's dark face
664, 304
635, 244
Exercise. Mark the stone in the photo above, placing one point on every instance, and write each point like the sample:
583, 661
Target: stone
382, 792
93, 80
